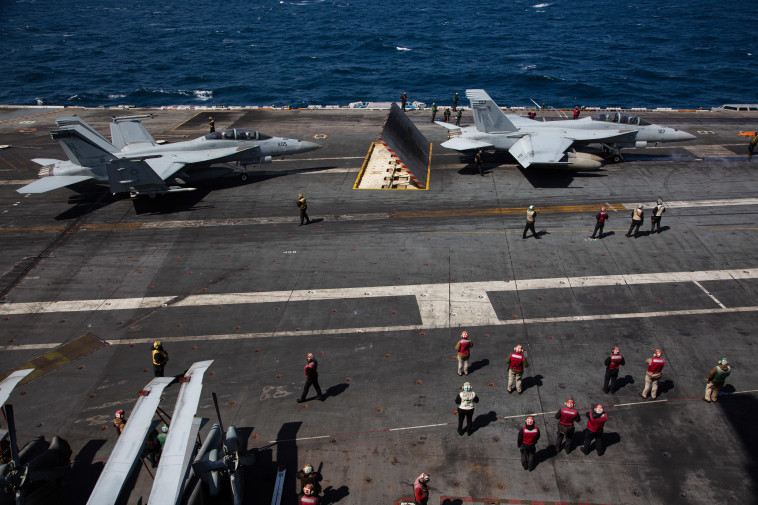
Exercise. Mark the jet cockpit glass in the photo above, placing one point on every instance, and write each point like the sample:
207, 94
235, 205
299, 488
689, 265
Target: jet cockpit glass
237, 134
615, 117
611, 117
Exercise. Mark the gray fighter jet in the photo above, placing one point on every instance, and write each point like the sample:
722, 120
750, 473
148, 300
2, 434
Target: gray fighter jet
553, 143
133, 162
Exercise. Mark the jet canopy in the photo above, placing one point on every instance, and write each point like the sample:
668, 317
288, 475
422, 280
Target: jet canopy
237, 134
621, 118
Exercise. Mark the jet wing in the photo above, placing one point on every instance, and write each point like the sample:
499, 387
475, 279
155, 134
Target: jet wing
548, 145
129, 445
172, 161
174, 463
52, 182
449, 126
463, 144
10, 382
540, 148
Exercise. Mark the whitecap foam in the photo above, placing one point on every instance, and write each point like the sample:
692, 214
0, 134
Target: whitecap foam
203, 94
540, 6
403, 48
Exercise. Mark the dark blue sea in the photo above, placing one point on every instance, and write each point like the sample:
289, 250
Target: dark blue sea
628, 53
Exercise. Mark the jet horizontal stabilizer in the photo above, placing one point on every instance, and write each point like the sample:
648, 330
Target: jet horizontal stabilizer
53, 182
464, 144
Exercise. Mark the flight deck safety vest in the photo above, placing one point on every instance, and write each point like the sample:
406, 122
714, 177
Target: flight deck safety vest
529, 436
721, 374
464, 344
656, 365
308, 500
467, 400
516, 362
615, 361
596, 425
568, 416
159, 357
311, 369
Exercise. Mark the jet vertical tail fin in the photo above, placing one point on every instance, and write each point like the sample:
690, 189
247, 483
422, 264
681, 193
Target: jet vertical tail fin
487, 115
74, 122
130, 130
84, 147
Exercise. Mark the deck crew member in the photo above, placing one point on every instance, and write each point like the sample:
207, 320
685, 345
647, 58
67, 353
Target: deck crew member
311, 378
455, 101
653, 374
309, 476
447, 114
637, 217
566, 417
163, 435
421, 489
595, 421
463, 347
612, 365
531, 216
303, 206
465, 401
753, 143
458, 118
211, 124
527, 443
576, 112
434, 111
516, 364
656, 215
478, 162
403, 99
601, 218
160, 358
715, 380
309, 497
119, 422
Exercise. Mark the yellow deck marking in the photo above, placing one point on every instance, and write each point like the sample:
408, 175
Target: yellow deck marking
58, 357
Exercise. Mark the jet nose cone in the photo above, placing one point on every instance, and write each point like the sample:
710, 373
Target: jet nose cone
682, 136
306, 146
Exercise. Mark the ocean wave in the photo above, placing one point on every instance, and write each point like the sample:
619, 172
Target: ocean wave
403, 48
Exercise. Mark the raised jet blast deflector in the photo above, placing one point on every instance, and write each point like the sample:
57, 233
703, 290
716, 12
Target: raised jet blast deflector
406, 142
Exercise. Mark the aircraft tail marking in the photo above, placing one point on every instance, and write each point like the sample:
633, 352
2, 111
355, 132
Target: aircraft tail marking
487, 115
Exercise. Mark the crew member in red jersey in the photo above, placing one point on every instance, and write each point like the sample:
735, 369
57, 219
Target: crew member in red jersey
566, 417
653, 374
595, 421
516, 364
527, 443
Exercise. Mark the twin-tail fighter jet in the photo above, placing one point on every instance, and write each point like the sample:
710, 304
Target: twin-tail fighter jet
133, 162
552, 143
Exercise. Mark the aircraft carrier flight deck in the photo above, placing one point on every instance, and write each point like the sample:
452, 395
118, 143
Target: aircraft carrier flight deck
378, 287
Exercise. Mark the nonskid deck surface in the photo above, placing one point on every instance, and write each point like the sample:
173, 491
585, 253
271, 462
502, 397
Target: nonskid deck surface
378, 287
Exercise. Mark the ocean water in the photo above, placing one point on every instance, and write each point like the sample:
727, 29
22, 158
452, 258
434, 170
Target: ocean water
628, 53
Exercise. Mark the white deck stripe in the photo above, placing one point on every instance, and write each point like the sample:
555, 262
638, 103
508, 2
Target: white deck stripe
411, 327
709, 294
431, 298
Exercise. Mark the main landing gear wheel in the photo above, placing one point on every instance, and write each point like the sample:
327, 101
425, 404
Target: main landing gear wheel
243, 177
616, 158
